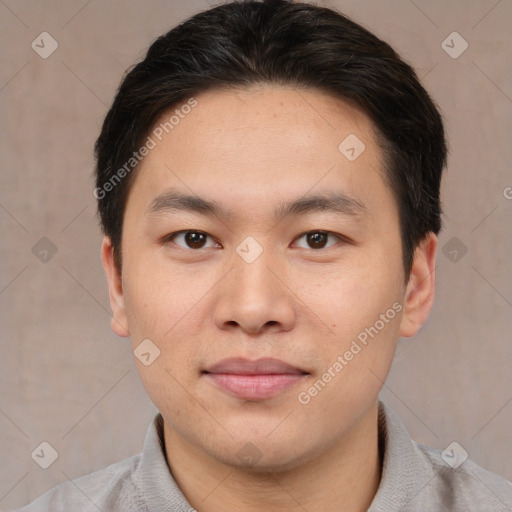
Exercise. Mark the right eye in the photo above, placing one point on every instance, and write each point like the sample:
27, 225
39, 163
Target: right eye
191, 239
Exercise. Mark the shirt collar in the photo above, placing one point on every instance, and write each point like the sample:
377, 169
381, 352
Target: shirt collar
158, 489
403, 474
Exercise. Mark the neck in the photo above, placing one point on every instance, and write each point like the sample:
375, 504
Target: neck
345, 477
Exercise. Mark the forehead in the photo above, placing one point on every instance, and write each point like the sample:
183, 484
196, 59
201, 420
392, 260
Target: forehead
253, 145
298, 117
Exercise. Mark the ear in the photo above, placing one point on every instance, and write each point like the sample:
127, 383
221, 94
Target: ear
420, 290
119, 321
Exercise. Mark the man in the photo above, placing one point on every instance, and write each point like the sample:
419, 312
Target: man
268, 185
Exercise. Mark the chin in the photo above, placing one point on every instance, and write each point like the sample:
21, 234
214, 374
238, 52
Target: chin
260, 456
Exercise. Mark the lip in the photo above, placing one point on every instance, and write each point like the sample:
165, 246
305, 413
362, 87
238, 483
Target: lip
254, 380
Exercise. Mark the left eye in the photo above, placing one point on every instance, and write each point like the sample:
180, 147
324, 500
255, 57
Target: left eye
192, 239
318, 239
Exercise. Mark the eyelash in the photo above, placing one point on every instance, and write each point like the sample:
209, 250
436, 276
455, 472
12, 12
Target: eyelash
341, 238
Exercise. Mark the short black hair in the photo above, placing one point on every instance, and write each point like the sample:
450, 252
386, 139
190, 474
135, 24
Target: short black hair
244, 43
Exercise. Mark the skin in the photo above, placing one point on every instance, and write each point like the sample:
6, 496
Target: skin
251, 150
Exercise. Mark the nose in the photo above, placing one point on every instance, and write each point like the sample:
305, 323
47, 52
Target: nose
254, 299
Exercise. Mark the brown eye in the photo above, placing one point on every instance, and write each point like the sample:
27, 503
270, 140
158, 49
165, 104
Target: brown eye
195, 240
317, 240
192, 239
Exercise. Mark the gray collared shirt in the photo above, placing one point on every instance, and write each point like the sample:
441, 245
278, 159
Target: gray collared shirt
415, 478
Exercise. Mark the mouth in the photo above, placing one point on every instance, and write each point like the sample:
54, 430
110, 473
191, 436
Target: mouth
254, 380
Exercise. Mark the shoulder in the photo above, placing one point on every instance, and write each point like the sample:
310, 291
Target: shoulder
416, 478
458, 483
112, 488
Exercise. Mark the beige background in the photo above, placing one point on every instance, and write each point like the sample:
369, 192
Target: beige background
66, 379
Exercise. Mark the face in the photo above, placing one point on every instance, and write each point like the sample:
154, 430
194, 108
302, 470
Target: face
262, 259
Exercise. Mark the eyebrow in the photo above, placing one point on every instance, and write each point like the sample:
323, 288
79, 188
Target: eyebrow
339, 203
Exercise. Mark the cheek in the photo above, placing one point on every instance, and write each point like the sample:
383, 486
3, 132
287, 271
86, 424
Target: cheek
158, 296
163, 305
349, 298
356, 356
361, 306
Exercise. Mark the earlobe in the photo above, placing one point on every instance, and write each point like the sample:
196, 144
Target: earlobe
420, 291
118, 322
